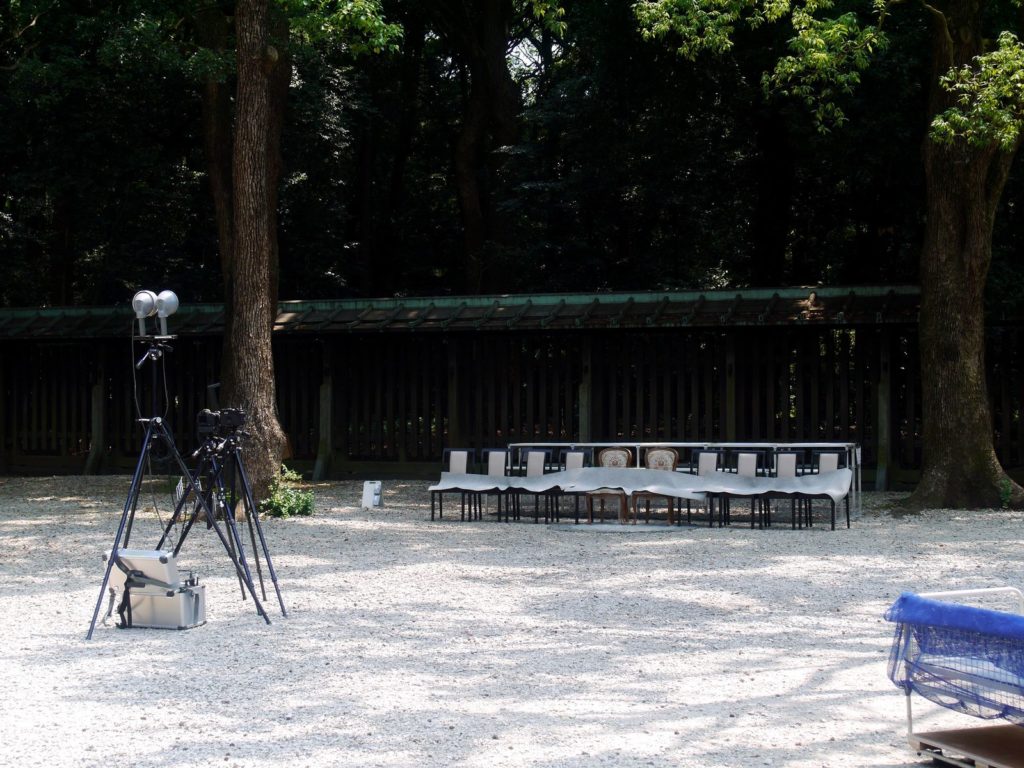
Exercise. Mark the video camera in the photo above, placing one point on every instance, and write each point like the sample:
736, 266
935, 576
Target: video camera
221, 422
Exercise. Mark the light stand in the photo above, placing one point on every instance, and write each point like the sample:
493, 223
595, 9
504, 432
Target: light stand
145, 304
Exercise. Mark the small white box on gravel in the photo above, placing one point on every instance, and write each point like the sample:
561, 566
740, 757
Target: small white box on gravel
371, 494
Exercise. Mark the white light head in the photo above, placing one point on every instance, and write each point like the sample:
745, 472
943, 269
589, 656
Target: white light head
144, 304
166, 305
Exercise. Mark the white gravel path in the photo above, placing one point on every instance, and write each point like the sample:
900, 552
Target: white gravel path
412, 643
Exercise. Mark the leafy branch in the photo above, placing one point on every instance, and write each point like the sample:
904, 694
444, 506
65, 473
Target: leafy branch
989, 94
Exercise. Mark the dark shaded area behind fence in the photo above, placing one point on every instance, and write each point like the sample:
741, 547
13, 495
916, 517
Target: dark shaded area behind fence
390, 402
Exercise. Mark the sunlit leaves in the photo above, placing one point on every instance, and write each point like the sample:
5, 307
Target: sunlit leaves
989, 98
826, 59
550, 14
698, 26
827, 53
360, 24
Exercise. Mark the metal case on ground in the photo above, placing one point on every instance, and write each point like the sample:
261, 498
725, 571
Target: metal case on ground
156, 609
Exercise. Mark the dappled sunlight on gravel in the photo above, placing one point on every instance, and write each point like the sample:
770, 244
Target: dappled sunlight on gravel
419, 643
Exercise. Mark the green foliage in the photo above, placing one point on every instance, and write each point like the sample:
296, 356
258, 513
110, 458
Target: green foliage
827, 54
633, 168
989, 95
699, 26
359, 24
550, 14
827, 59
1005, 492
285, 500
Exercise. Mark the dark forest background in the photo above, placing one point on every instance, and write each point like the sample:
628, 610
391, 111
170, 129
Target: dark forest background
600, 161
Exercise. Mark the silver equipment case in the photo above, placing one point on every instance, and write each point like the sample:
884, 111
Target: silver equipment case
157, 596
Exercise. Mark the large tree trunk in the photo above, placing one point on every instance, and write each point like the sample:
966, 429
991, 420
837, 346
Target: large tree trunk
212, 29
247, 352
468, 162
479, 31
963, 185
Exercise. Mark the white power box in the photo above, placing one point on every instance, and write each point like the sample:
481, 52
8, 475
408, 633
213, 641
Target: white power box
371, 494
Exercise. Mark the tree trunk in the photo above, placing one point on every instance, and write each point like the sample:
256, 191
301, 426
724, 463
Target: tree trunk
479, 31
963, 185
247, 352
212, 28
467, 165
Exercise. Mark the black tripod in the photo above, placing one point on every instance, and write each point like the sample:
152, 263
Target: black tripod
223, 484
158, 434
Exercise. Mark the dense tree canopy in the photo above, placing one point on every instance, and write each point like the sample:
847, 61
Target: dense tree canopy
622, 165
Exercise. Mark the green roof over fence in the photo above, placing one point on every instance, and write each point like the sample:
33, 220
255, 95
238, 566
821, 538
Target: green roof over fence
521, 312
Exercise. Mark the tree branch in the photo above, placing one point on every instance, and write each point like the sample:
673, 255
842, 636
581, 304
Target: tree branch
939, 16
23, 30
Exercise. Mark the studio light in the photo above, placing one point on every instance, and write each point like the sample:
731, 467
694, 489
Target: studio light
166, 305
144, 303
147, 303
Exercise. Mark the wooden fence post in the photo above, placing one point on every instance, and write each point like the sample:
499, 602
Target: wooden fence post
730, 387
325, 445
585, 391
454, 404
3, 422
98, 414
883, 414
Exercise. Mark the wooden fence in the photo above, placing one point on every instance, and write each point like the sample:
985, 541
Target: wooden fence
358, 403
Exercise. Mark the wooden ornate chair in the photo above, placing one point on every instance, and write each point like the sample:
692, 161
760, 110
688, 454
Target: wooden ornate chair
665, 459
611, 458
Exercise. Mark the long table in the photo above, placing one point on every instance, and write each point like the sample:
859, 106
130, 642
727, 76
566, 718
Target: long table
831, 485
852, 452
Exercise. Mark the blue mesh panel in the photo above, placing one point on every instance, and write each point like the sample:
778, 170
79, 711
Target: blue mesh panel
967, 659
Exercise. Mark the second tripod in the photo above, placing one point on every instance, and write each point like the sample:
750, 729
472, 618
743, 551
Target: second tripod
223, 482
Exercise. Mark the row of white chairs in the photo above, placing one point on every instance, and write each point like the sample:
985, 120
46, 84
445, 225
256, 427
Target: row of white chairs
497, 461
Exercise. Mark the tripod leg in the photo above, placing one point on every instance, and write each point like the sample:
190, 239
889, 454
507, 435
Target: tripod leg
220, 493
240, 565
232, 464
128, 511
177, 512
255, 516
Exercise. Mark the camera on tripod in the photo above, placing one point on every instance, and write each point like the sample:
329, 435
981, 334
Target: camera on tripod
221, 422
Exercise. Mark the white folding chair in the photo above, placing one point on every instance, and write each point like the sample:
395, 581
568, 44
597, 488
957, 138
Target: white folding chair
571, 460
785, 466
497, 461
458, 463
828, 462
707, 465
746, 466
536, 462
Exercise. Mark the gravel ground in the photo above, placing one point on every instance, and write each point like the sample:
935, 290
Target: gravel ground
419, 643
